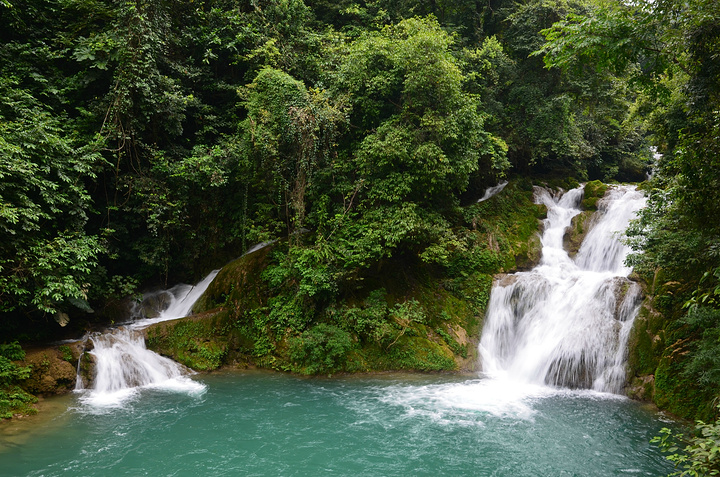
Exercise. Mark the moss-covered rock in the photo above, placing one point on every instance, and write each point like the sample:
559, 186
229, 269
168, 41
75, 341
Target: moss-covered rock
53, 369
200, 342
574, 235
593, 191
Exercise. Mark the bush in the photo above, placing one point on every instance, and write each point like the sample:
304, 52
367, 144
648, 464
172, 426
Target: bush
13, 399
701, 454
321, 349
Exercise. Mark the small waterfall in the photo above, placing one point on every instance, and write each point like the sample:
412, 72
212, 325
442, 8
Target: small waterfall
491, 191
163, 305
123, 364
566, 322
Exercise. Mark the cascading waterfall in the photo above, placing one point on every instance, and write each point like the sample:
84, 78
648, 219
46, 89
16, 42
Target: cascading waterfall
566, 322
492, 191
122, 362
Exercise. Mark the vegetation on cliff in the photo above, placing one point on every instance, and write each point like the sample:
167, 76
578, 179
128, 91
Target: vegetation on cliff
401, 313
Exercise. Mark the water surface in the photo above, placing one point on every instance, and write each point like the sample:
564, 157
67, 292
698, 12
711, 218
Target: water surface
263, 424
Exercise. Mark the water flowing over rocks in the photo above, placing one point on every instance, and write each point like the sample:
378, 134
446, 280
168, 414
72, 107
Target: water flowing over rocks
567, 321
120, 360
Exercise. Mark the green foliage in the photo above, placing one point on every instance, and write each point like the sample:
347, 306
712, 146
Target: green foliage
46, 257
11, 373
66, 353
13, 399
454, 345
321, 349
703, 365
701, 455
424, 134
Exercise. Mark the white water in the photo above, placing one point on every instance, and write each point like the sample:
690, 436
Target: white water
566, 322
123, 365
491, 191
164, 305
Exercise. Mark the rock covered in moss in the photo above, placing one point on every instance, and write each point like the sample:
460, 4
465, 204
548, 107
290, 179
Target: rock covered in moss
576, 232
593, 191
53, 369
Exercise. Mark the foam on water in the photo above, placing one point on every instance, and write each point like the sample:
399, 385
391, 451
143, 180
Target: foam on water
475, 401
123, 364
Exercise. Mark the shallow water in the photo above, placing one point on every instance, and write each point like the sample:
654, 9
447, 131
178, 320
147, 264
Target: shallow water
266, 424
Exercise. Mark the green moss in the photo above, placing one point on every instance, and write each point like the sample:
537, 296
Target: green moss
239, 286
574, 236
506, 225
642, 357
200, 343
594, 191
408, 353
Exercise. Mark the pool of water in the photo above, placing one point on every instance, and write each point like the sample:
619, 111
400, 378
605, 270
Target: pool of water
267, 424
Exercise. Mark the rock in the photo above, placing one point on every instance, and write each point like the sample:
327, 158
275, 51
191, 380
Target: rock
579, 227
641, 388
505, 280
530, 257
593, 191
51, 372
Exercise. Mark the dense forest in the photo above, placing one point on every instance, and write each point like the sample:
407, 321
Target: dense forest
145, 142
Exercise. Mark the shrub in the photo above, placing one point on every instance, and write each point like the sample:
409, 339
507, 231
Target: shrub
321, 349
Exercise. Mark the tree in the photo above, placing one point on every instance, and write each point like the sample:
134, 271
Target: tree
46, 254
419, 133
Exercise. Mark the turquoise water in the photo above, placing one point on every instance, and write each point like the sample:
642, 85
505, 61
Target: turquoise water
264, 424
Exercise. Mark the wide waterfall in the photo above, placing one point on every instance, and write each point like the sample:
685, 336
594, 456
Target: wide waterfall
566, 322
123, 364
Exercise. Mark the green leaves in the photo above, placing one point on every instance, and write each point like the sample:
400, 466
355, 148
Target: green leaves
701, 455
424, 133
46, 257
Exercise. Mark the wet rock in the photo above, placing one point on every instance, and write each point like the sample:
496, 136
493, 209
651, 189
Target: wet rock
641, 388
579, 227
505, 280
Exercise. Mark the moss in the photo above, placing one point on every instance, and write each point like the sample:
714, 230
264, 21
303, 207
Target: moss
508, 225
594, 191
238, 286
643, 346
576, 232
200, 342
408, 353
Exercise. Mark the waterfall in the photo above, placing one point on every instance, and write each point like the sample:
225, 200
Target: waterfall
491, 191
566, 322
163, 305
123, 364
